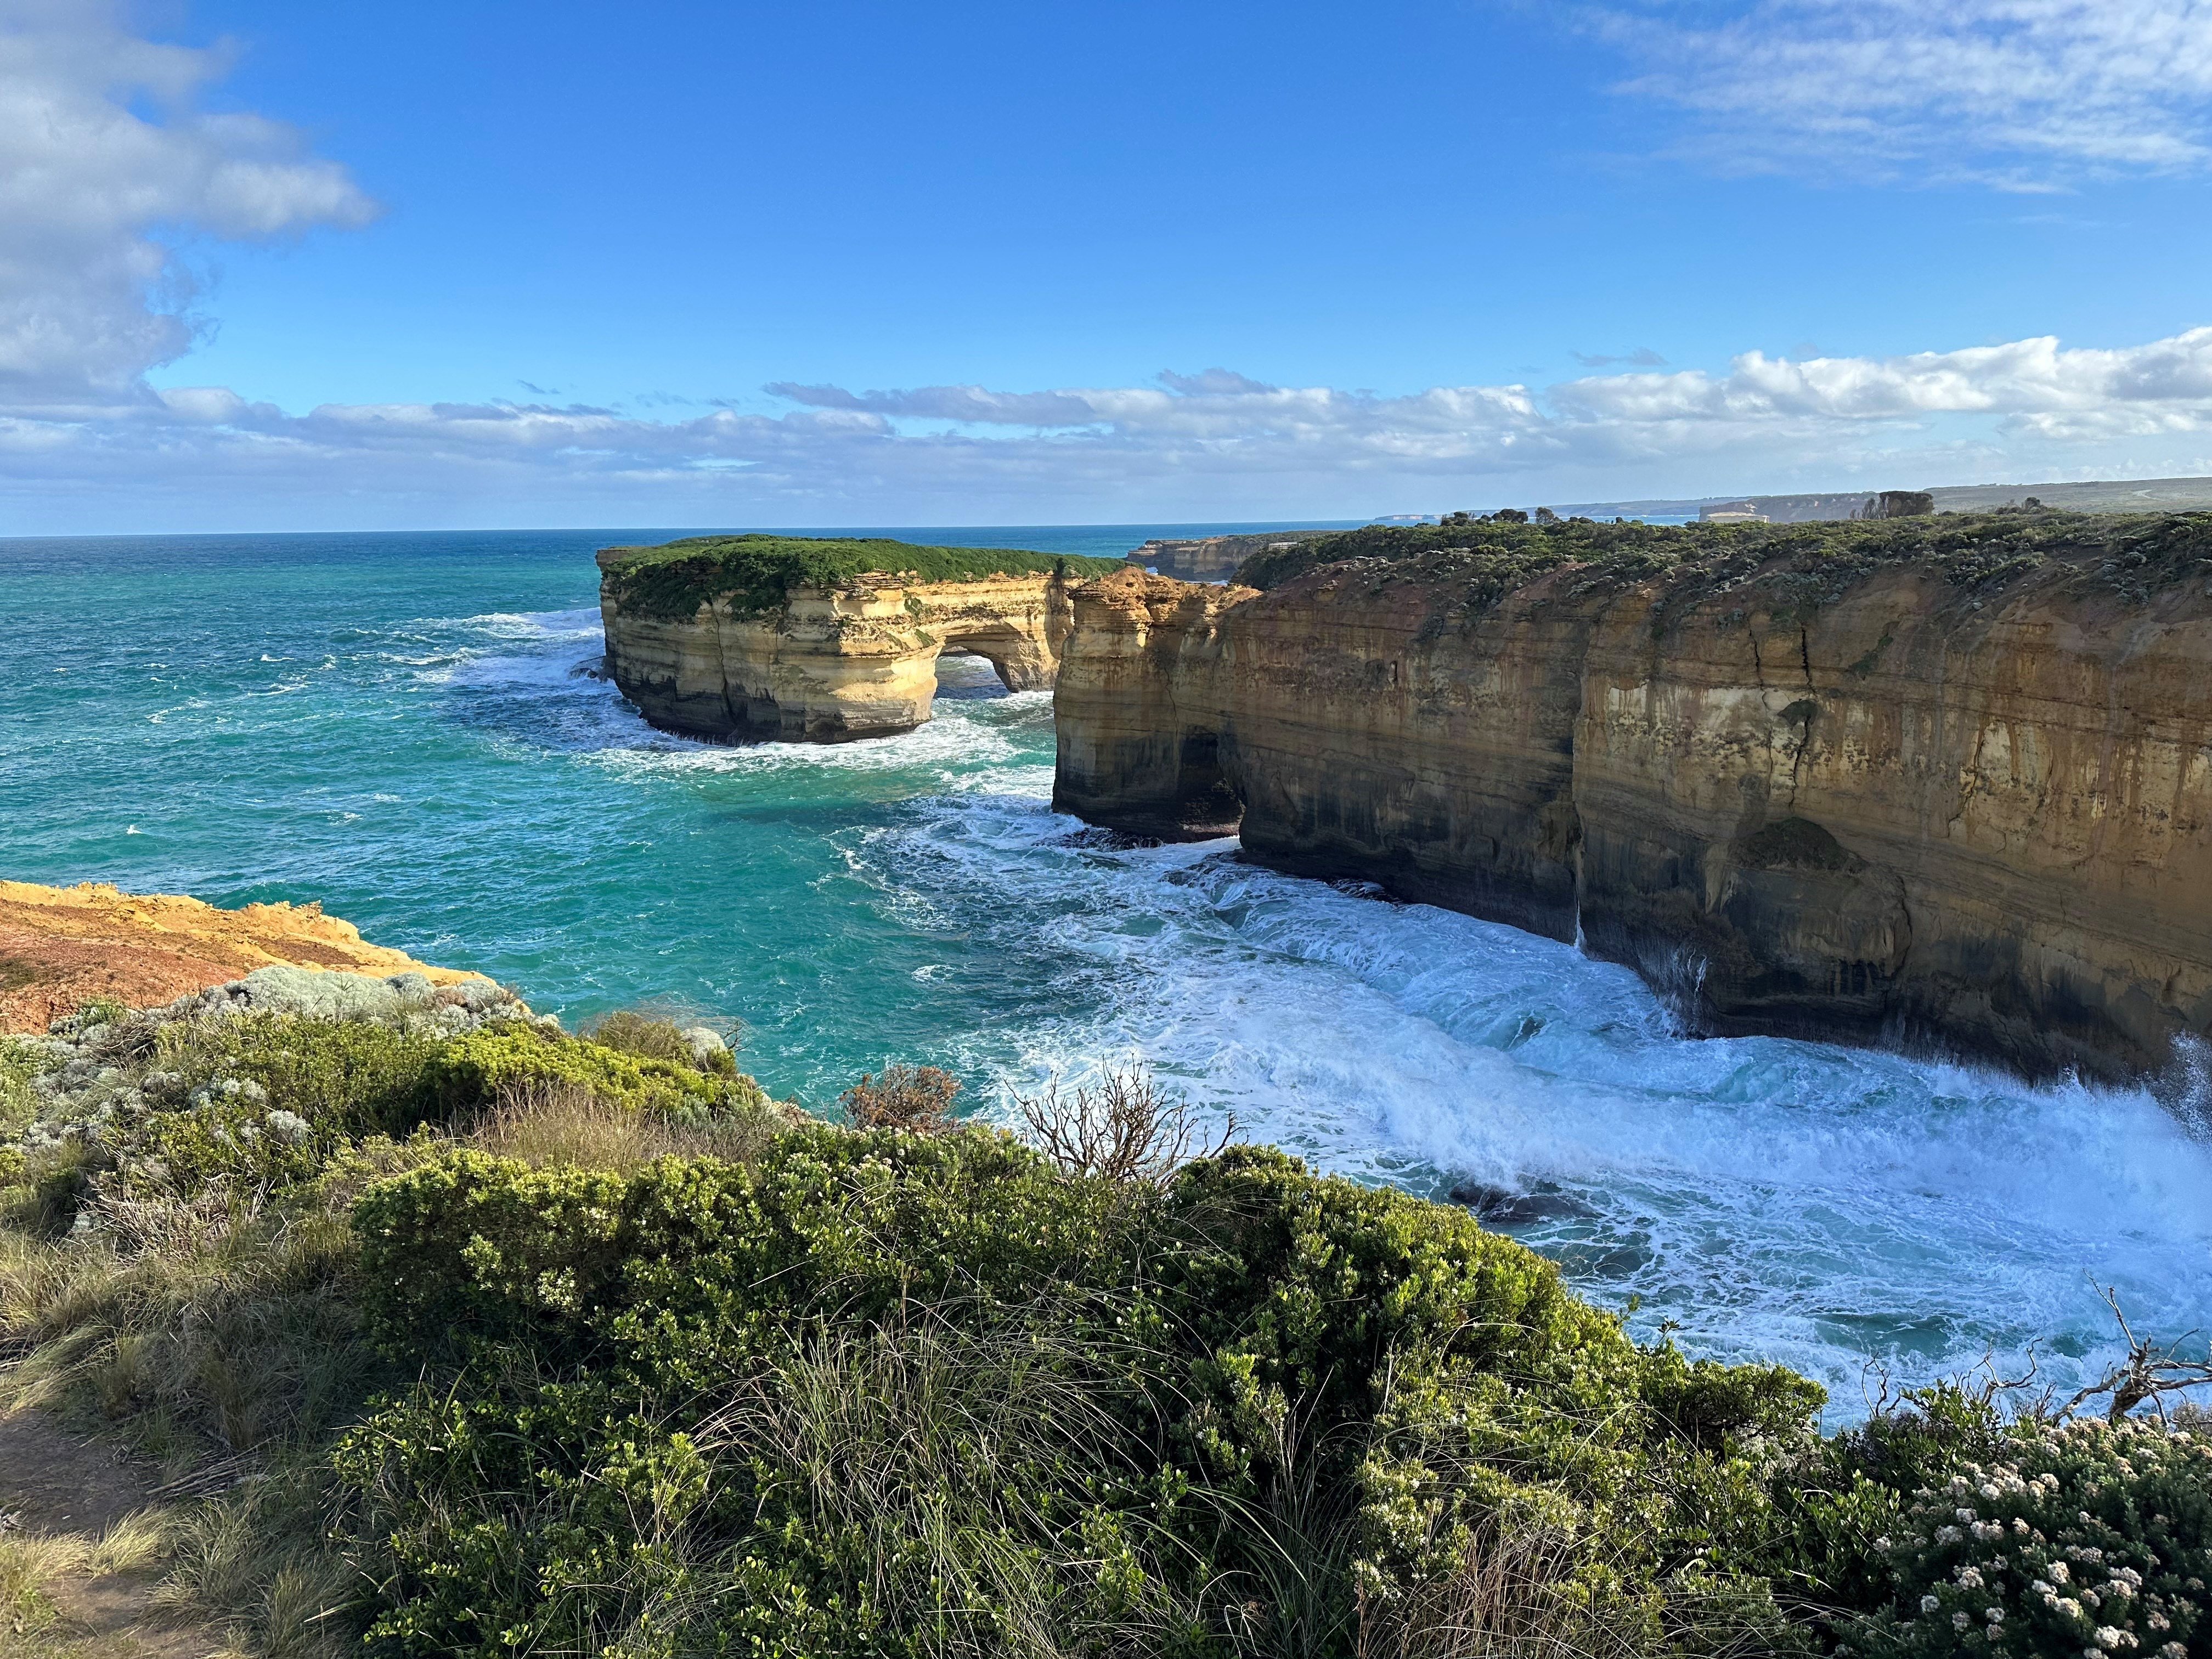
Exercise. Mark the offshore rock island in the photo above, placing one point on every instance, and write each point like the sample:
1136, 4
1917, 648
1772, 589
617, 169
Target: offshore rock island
779, 637
1943, 781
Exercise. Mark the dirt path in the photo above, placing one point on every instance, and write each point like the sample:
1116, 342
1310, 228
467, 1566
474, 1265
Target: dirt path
59, 1496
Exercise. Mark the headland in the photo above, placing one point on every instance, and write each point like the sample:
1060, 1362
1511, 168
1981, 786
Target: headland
1941, 782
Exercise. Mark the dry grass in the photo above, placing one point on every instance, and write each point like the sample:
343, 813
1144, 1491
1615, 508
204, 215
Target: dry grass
1511, 1597
918, 1443
555, 1122
255, 1565
232, 1337
35, 1569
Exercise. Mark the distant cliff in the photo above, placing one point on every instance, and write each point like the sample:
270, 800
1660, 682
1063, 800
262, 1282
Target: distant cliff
1939, 781
761, 637
1212, 558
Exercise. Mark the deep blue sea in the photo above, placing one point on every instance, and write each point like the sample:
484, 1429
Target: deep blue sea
394, 724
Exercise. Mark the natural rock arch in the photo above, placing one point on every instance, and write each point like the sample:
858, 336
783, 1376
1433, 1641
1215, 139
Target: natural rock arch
832, 664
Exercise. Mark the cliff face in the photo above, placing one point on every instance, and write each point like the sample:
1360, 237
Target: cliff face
1213, 558
856, 661
1968, 806
1137, 713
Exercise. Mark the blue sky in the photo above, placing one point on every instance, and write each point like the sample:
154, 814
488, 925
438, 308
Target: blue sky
280, 266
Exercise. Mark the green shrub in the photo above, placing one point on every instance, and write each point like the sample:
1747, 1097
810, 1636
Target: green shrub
1486, 558
345, 1077
19, 1065
470, 1071
634, 1033
1318, 1391
755, 572
2085, 1537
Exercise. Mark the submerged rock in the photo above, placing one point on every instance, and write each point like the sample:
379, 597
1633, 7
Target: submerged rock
1502, 1206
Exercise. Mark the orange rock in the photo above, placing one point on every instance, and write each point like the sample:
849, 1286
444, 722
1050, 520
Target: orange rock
61, 947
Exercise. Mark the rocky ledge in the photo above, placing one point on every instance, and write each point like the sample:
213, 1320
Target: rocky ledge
1943, 783
63, 947
756, 638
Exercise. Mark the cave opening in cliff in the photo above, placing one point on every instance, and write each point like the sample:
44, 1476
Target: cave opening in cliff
967, 675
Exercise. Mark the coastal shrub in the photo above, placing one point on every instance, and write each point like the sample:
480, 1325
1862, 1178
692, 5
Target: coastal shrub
554, 1123
524, 1342
1319, 1392
470, 1071
634, 1033
2082, 1537
345, 1077
914, 1097
754, 573
1811, 563
19, 1065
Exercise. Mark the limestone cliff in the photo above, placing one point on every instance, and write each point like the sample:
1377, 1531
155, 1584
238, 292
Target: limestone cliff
825, 661
1948, 785
1213, 558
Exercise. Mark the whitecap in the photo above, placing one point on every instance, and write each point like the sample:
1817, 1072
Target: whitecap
1778, 1200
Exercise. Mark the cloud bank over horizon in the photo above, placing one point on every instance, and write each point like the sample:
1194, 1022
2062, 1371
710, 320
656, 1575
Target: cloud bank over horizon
112, 171
1216, 444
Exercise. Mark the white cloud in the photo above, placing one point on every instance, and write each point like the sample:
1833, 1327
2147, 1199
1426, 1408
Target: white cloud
105, 161
104, 164
1211, 445
2020, 93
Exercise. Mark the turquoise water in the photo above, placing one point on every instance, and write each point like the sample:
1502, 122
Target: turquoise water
393, 724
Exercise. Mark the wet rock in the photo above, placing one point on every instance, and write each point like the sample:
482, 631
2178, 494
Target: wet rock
1502, 1206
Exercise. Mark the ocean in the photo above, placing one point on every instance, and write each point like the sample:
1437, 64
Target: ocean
396, 725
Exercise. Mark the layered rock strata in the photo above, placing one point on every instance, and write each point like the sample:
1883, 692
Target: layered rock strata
1213, 558
856, 661
1966, 807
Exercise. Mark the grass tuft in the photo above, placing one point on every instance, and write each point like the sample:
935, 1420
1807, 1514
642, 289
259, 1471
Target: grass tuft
546, 1122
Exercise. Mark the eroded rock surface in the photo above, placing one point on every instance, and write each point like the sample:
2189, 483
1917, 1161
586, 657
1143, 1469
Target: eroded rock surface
61, 947
856, 661
1964, 803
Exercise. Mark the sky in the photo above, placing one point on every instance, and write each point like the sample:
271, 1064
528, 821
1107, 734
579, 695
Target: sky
272, 266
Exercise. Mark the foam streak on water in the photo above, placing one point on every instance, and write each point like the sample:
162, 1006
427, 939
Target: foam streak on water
402, 727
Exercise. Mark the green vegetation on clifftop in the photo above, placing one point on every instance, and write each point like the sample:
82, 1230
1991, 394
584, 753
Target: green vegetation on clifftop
755, 572
2130, 554
481, 1339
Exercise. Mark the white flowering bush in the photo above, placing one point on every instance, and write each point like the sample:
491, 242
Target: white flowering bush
2085, 1537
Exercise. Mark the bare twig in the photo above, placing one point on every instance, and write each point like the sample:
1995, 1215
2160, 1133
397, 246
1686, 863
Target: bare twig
1127, 1130
2151, 1371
